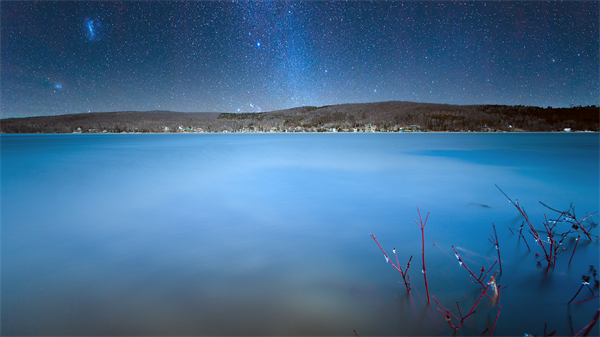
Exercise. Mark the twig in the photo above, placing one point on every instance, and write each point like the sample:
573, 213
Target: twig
446, 310
462, 318
421, 225
495, 321
495, 242
577, 293
591, 298
479, 299
592, 323
589, 326
534, 232
576, 242
585, 281
397, 267
570, 218
522, 236
462, 263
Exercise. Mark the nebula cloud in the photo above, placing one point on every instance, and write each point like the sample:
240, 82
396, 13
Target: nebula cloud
92, 29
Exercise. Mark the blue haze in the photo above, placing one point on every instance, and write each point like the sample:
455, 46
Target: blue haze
267, 234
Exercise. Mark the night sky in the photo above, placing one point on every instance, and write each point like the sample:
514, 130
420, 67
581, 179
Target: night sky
61, 57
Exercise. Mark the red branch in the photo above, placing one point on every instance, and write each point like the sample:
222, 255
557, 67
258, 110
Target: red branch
462, 263
591, 298
397, 267
462, 319
521, 235
576, 242
589, 326
577, 293
496, 320
534, 232
570, 218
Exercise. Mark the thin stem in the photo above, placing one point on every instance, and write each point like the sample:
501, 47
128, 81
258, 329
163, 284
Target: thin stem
462, 318
576, 294
462, 263
591, 298
387, 259
484, 276
495, 321
405, 275
479, 299
590, 289
446, 310
589, 326
497, 247
458, 307
522, 236
572, 216
550, 239
576, 242
535, 234
421, 225
592, 323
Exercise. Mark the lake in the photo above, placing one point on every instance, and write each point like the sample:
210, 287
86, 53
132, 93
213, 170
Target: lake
268, 234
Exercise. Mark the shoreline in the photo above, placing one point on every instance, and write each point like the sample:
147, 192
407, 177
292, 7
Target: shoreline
279, 132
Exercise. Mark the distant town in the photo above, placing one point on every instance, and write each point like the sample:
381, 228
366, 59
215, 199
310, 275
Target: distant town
365, 128
191, 129
343, 118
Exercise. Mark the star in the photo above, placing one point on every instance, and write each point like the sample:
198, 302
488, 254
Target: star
320, 53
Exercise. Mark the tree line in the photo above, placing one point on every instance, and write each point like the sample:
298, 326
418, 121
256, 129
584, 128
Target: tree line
428, 117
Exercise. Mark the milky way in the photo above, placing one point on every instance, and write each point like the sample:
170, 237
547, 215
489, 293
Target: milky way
263, 56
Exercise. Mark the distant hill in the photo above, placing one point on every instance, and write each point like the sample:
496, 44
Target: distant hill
382, 116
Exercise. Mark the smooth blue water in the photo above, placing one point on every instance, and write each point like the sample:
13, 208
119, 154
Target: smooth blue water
267, 234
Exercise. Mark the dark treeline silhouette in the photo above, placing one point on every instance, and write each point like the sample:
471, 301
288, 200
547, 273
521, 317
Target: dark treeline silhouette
383, 116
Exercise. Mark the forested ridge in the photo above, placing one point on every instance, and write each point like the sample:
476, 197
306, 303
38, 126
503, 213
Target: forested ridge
362, 117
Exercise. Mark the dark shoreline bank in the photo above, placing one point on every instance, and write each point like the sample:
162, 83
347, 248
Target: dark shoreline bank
367, 117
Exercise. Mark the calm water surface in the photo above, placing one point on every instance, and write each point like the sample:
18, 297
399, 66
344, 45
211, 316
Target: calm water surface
268, 234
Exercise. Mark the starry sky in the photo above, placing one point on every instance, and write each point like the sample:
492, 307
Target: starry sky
62, 57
